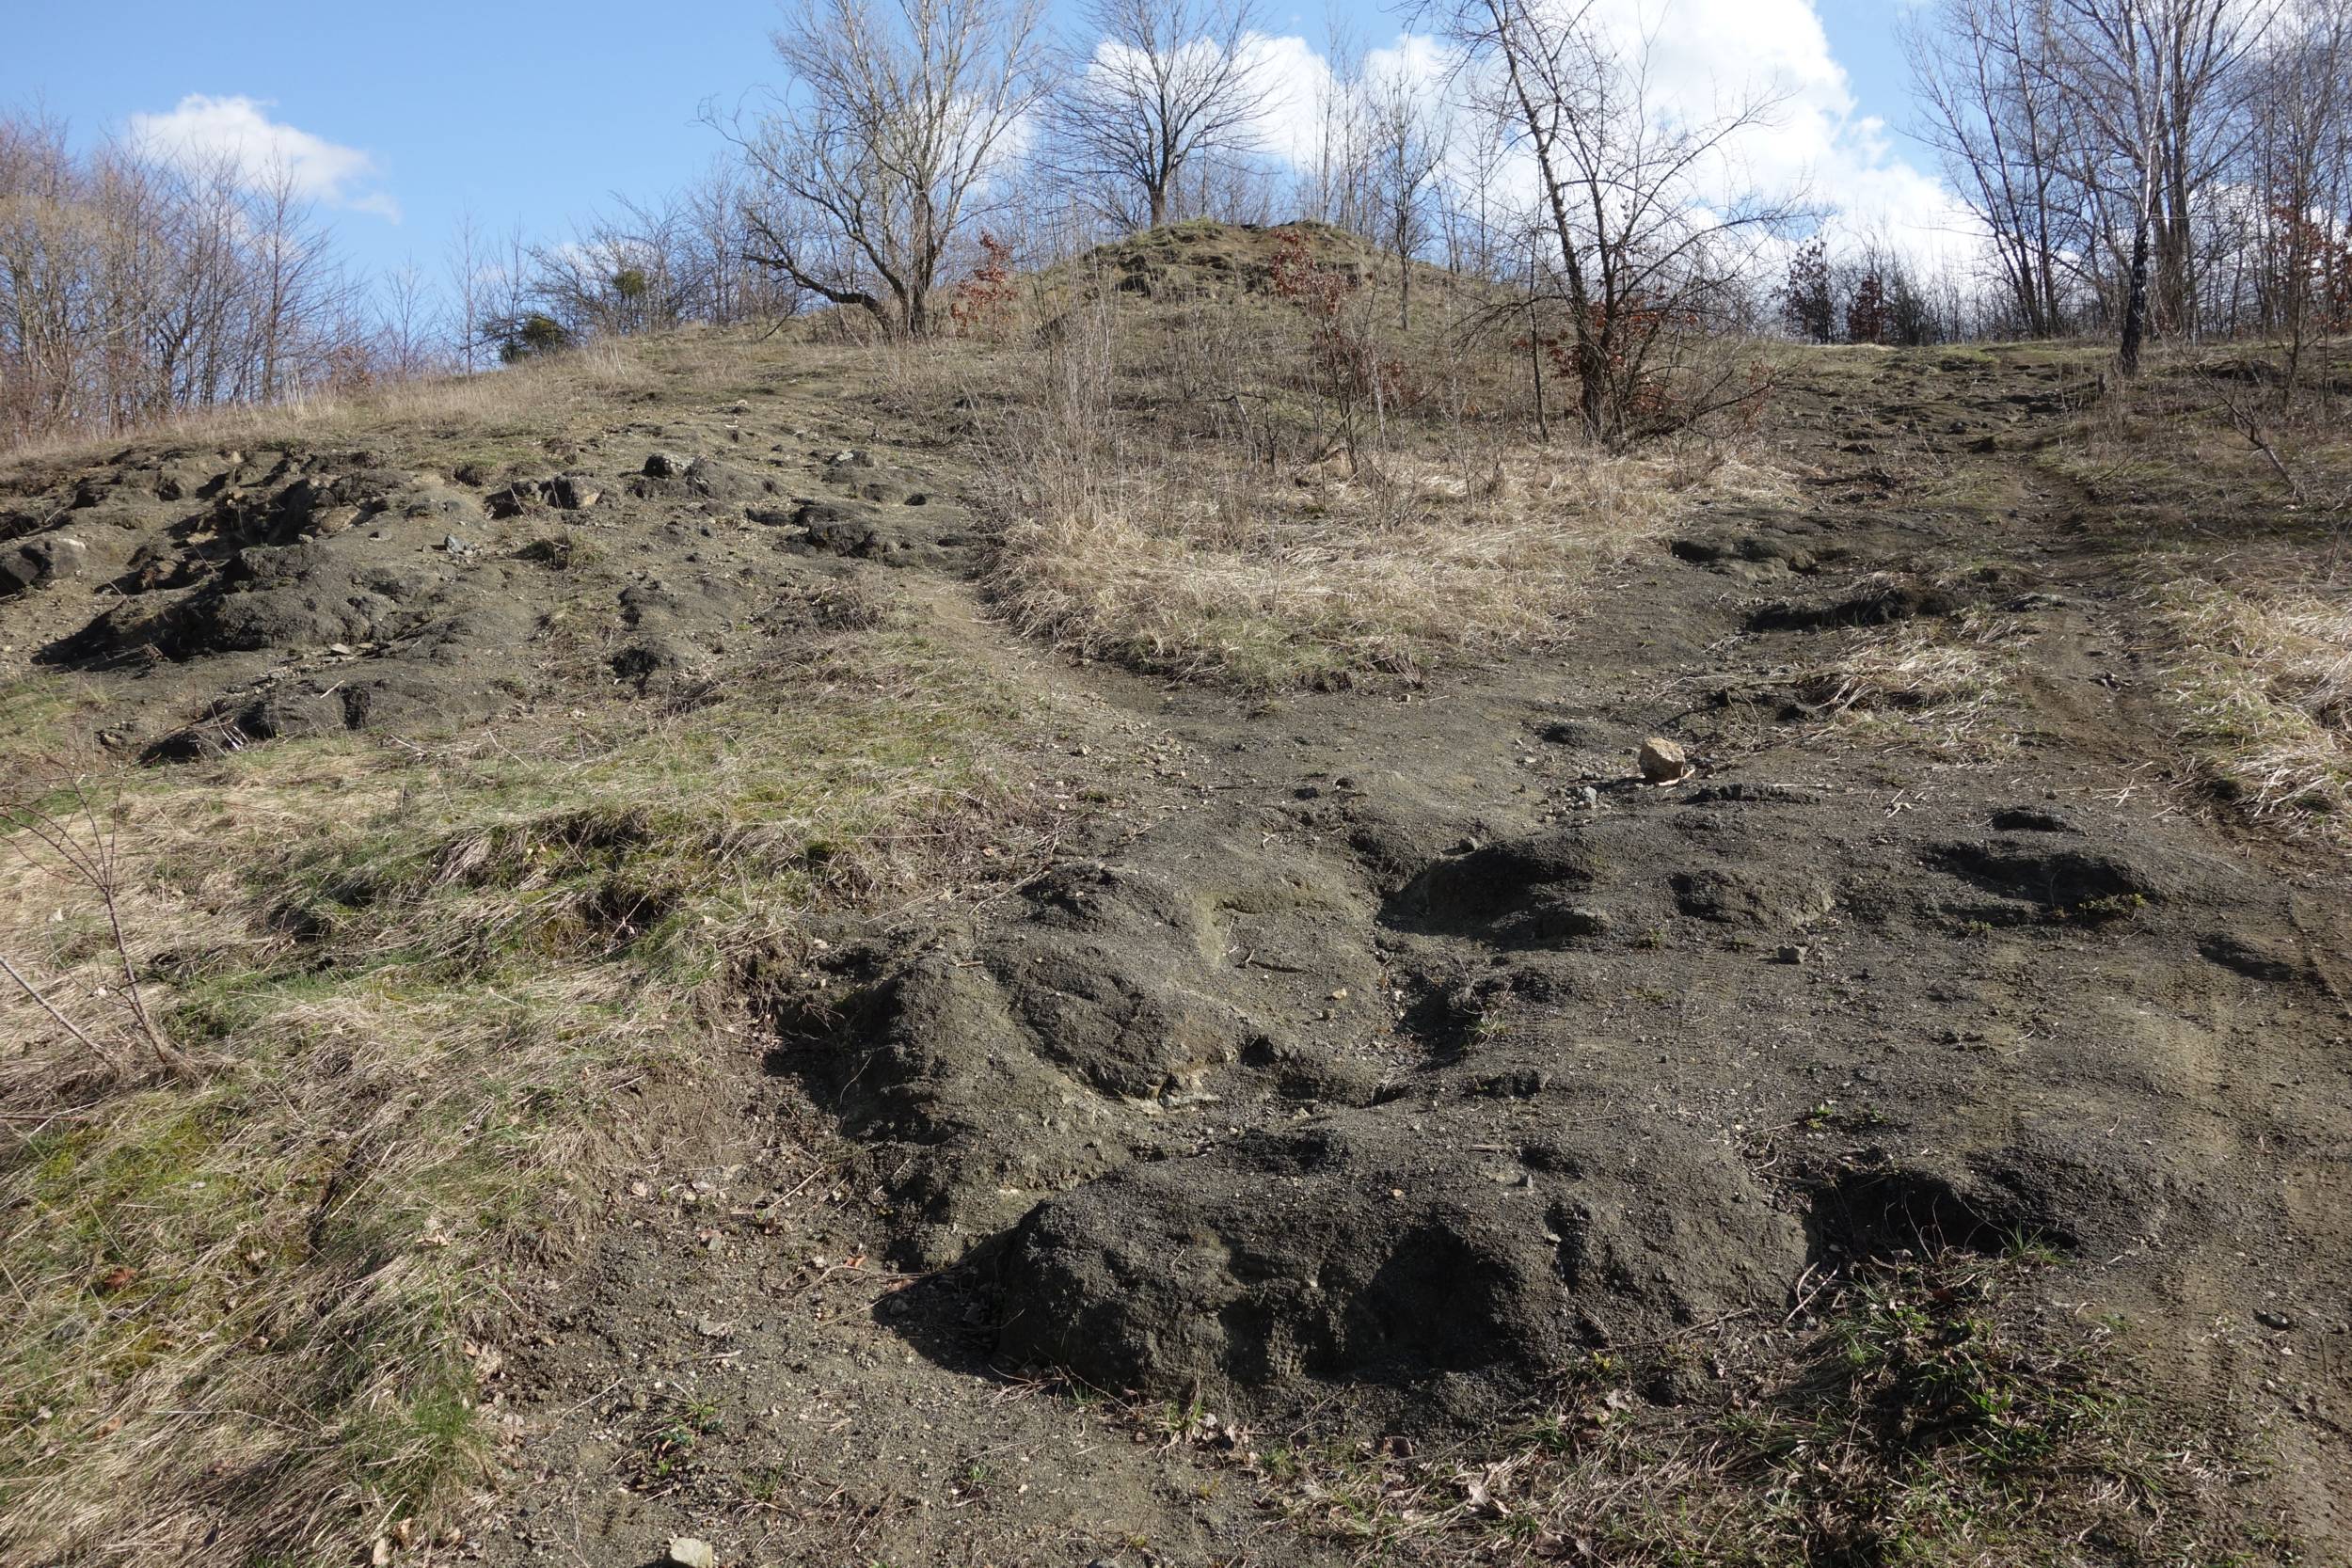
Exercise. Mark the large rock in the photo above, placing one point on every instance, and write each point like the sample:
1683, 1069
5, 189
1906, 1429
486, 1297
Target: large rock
40, 562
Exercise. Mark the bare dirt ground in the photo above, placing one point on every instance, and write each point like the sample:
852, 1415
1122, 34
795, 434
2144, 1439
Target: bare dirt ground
1375, 1124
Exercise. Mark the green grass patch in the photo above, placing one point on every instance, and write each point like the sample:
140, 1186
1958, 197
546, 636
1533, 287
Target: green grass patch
417, 984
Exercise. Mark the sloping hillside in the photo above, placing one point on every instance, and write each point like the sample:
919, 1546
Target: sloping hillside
1053, 948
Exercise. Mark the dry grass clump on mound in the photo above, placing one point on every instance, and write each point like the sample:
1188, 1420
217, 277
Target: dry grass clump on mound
1193, 570
408, 995
1932, 1414
1271, 490
2264, 684
2225, 497
1944, 685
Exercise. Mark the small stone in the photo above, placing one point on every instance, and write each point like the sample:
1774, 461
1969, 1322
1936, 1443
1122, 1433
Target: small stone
2274, 1320
689, 1551
339, 649
456, 545
1664, 762
1792, 955
663, 464
573, 493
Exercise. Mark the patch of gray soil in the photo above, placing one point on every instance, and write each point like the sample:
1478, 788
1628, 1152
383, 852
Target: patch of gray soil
1425, 1114
1460, 1253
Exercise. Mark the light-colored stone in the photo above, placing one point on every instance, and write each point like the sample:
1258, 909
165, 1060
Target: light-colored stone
689, 1551
1664, 761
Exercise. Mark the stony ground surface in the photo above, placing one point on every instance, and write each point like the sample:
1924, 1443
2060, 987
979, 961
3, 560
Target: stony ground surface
1360, 1059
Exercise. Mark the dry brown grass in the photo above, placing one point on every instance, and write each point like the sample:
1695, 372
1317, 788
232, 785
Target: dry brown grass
1930, 1415
2227, 504
1200, 571
1184, 494
1942, 686
2262, 677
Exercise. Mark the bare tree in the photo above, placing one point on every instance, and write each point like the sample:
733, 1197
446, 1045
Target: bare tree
469, 287
2302, 150
1992, 110
882, 149
1168, 84
134, 285
2156, 82
1649, 241
1337, 185
1410, 125
409, 330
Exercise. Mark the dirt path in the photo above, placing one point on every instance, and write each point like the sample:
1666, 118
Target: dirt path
1376, 1054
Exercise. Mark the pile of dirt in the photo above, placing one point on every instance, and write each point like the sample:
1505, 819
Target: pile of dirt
222, 599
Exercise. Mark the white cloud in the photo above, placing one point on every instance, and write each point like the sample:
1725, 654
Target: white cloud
1703, 57
236, 131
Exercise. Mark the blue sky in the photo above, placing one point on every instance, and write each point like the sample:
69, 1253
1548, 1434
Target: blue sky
403, 117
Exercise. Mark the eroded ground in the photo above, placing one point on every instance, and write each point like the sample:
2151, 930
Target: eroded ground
1347, 1079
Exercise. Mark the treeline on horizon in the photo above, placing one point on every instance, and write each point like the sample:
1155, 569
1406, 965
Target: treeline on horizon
2135, 168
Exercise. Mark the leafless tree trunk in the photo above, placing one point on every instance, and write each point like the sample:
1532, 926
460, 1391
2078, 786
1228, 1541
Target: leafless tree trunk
467, 289
885, 147
1408, 141
1992, 112
1645, 249
2156, 82
1165, 85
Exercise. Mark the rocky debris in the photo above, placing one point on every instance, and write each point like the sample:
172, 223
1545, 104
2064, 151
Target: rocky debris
2085, 882
573, 492
712, 480
1773, 896
42, 562
1579, 732
1664, 761
1751, 792
2033, 819
564, 492
639, 663
2254, 958
667, 476
686, 1551
1883, 604
1748, 556
301, 595
832, 529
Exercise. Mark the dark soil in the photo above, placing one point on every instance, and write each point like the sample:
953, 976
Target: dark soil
1384, 1053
